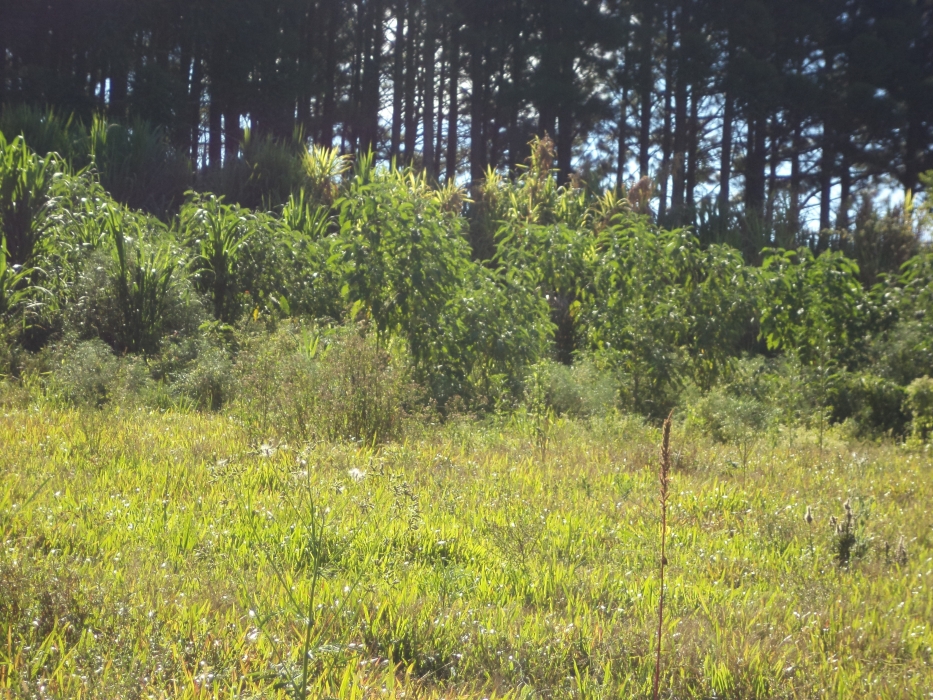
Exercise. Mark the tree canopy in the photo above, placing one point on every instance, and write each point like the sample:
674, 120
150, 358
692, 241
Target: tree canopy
771, 111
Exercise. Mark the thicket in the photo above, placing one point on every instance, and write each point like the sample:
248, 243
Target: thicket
352, 297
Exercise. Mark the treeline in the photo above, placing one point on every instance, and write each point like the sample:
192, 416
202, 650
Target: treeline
752, 115
582, 304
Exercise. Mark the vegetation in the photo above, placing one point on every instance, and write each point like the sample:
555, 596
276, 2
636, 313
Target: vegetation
173, 555
752, 116
324, 447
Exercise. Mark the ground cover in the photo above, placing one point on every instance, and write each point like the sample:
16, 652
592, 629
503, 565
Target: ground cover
149, 554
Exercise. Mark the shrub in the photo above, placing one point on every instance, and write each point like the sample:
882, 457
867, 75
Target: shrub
580, 390
87, 373
45, 132
208, 380
131, 301
920, 402
882, 243
332, 384
875, 404
25, 188
138, 165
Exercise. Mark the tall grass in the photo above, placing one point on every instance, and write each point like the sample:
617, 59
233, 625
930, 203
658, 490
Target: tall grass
453, 564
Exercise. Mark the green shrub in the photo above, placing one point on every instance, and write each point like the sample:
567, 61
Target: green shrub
208, 380
133, 305
876, 405
25, 189
87, 373
920, 402
307, 383
138, 165
45, 132
580, 390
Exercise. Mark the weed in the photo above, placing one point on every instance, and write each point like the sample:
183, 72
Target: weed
664, 475
847, 542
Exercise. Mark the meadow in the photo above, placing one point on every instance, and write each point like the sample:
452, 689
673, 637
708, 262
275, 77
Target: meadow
157, 554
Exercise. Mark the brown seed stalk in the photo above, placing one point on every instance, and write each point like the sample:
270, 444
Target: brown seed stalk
664, 474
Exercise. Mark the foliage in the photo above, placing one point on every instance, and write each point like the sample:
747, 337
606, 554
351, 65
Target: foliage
220, 233
332, 384
143, 281
881, 244
25, 189
814, 305
876, 405
138, 165
45, 131
580, 390
661, 309
920, 402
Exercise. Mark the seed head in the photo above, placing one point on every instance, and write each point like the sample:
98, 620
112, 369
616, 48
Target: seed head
900, 554
808, 516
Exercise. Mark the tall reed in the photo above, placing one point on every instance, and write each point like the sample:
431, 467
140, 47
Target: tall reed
665, 474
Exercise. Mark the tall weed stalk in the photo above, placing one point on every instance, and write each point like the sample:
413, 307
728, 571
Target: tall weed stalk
665, 474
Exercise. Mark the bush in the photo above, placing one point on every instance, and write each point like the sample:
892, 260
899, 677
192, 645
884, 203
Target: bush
87, 373
308, 383
138, 165
581, 390
920, 402
133, 305
876, 405
196, 371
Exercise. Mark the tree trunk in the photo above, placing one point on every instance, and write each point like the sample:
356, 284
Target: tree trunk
644, 137
397, 81
371, 78
429, 51
678, 184
666, 134
755, 168
623, 137
565, 134
329, 107
773, 162
439, 133
477, 112
827, 161
795, 175
232, 134
214, 143
411, 69
845, 190
453, 89
515, 145
725, 158
693, 131
305, 68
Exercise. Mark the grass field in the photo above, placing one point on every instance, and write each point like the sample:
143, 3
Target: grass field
164, 555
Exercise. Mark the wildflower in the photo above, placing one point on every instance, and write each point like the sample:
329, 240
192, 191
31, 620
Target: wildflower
357, 474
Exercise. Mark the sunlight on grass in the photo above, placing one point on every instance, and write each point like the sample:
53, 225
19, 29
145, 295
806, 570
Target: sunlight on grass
163, 555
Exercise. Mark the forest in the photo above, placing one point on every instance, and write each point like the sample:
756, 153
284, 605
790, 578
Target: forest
338, 341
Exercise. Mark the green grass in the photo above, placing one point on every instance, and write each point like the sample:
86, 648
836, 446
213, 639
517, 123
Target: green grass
163, 555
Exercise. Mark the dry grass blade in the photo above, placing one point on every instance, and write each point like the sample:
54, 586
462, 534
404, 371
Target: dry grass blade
664, 476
